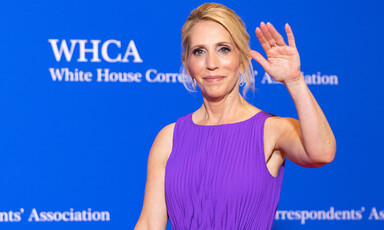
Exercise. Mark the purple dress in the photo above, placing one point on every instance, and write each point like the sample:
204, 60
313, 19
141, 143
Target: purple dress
216, 176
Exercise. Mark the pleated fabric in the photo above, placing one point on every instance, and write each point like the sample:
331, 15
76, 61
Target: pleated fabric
216, 176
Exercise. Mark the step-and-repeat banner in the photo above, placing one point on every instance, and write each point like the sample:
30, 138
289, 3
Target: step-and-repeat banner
85, 86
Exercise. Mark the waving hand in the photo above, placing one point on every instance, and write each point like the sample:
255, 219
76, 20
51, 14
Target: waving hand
283, 62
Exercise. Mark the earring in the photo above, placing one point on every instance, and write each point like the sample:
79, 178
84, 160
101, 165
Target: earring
242, 79
194, 83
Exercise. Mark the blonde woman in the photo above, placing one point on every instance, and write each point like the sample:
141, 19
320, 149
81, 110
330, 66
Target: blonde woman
221, 167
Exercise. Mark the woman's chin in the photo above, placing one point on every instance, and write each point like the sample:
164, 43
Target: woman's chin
214, 94
218, 92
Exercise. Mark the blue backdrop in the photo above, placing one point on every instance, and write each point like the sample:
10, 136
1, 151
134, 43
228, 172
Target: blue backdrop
74, 139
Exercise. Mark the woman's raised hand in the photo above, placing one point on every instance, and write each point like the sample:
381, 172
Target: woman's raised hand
283, 62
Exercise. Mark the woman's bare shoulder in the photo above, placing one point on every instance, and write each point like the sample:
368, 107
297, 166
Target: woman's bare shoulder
162, 146
167, 131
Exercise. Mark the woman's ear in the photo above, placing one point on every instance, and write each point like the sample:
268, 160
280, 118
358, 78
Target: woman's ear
183, 60
185, 65
242, 69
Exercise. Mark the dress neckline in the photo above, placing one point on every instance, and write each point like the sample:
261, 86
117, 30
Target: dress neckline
235, 123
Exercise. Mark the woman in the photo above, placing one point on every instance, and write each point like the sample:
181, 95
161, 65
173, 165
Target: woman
227, 161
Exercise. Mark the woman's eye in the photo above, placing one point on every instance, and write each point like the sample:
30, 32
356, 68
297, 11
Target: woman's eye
197, 52
225, 50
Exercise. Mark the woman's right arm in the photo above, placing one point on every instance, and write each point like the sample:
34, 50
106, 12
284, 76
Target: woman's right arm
154, 213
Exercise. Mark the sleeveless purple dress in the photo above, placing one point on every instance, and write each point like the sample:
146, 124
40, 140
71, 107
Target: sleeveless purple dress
216, 176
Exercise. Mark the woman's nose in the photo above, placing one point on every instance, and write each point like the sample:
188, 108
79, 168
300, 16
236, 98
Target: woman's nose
212, 61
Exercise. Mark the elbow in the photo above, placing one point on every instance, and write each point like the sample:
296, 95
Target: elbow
324, 156
331, 152
329, 157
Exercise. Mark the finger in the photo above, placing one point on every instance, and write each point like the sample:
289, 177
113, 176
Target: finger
278, 38
263, 41
260, 59
267, 34
291, 38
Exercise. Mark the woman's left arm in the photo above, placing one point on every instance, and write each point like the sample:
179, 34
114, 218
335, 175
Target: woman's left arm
308, 142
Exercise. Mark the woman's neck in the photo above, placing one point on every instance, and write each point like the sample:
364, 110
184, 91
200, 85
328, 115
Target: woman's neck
228, 109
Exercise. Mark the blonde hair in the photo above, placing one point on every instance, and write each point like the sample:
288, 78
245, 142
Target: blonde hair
233, 24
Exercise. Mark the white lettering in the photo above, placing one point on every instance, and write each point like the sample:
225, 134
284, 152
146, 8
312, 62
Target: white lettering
153, 76
100, 74
104, 75
63, 48
377, 215
318, 79
11, 216
132, 51
69, 216
94, 50
104, 51
331, 214
58, 74
267, 78
314, 79
34, 216
148, 73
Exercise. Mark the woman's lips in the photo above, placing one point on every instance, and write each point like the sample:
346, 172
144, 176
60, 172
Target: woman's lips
213, 78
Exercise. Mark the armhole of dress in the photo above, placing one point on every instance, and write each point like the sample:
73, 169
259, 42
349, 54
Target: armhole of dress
170, 155
174, 138
281, 170
167, 163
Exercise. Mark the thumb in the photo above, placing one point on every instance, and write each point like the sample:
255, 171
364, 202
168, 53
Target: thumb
259, 58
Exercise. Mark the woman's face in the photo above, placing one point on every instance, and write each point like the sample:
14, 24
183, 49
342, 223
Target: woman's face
214, 60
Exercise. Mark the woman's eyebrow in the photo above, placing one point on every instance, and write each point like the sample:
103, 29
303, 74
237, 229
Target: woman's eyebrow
197, 46
217, 44
224, 43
